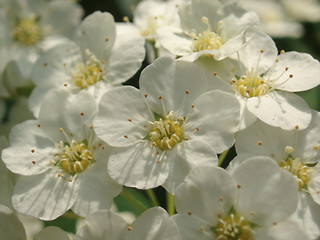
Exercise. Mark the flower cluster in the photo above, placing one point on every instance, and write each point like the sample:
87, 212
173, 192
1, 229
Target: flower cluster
215, 81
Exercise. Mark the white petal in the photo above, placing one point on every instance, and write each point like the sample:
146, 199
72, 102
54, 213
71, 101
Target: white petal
122, 112
63, 17
192, 227
308, 140
98, 34
259, 139
266, 194
308, 215
127, 55
10, 226
175, 41
207, 192
52, 233
45, 196
304, 68
97, 190
170, 79
216, 115
154, 224
101, 224
314, 187
252, 57
30, 149
281, 109
138, 166
282, 231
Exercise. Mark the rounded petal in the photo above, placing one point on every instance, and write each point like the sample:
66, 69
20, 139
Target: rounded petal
10, 226
98, 34
139, 165
97, 190
206, 193
214, 119
259, 139
314, 186
281, 109
51, 233
79, 110
30, 149
154, 224
127, 55
122, 112
266, 194
45, 196
178, 84
305, 71
101, 224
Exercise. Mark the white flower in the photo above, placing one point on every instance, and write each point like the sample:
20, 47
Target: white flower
62, 161
265, 82
208, 28
153, 224
28, 29
295, 151
150, 15
166, 128
104, 55
254, 202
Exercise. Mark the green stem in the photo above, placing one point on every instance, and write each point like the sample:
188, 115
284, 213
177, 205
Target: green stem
126, 195
153, 198
170, 204
222, 157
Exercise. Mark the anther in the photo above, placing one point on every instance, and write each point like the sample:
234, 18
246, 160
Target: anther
129, 228
106, 39
125, 19
65, 85
291, 76
38, 125
129, 119
33, 162
260, 143
189, 213
296, 127
82, 113
187, 91
45, 64
146, 95
160, 97
261, 51
125, 136
282, 52
33, 151
238, 186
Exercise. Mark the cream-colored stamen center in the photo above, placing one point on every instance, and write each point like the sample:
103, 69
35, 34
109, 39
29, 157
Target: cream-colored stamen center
233, 227
300, 170
88, 73
251, 85
166, 132
74, 157
27, 32
207, 40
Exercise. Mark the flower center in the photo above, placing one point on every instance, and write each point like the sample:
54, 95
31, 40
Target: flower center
300, 170
207, 40
166, 132
153, 23
27, 32
89, 73
73, 158
251, 85
233, 227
